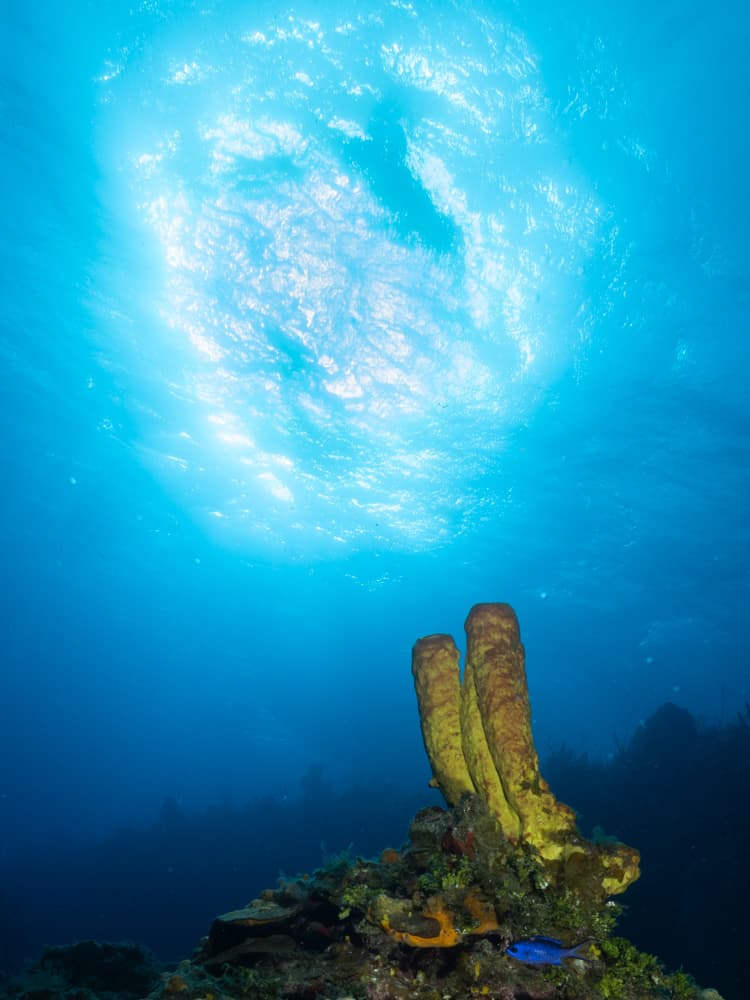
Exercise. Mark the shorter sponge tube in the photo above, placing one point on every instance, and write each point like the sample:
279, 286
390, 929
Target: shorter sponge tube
434, 665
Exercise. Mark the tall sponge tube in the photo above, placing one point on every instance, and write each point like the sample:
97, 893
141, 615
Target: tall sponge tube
495, 656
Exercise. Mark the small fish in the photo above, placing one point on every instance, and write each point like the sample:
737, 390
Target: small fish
544, 951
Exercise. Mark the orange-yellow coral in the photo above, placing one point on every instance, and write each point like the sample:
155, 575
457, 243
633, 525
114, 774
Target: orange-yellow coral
482, 913
448, 931
445, 936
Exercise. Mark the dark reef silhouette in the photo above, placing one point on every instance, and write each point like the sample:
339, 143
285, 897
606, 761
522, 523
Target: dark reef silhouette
162, 885
681, 792
678, 790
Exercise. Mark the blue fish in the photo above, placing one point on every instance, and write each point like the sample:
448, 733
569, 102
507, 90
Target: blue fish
544, 951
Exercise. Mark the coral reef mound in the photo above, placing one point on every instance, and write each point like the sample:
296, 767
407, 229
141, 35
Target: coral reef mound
438, 919
495, 896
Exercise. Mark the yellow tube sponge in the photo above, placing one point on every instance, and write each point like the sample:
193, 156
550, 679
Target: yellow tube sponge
478, 738
434, 665
495, 658
480, 762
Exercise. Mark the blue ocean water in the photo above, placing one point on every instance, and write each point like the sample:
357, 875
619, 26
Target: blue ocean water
320, 326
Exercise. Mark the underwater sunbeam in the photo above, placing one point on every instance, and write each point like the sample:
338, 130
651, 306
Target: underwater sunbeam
372, 247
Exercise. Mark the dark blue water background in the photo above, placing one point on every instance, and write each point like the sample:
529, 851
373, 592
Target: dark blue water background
319, 327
